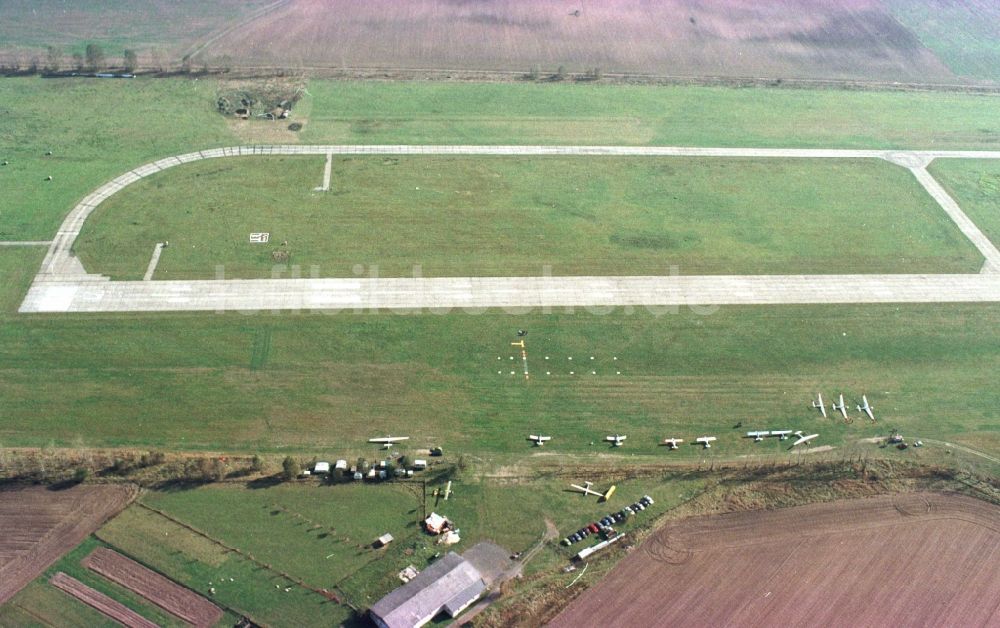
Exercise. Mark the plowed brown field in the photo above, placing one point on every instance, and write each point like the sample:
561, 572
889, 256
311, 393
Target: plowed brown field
38, 525
847, 39
914, 559
113, 609
161, 591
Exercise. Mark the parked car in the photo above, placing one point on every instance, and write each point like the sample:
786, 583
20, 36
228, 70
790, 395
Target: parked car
594, 528
649, 500
574, 538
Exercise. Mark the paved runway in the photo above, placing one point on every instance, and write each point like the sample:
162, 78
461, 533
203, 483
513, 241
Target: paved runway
63, 285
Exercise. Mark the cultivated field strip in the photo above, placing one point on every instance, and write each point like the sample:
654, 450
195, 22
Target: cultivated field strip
166, 594
907, 559
39, 525
102, 603
63, 285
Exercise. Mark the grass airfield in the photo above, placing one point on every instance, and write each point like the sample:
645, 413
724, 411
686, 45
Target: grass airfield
320, 385
512, 216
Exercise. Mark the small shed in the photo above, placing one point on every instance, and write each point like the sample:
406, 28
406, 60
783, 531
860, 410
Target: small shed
383, 540
341, 464
322, 467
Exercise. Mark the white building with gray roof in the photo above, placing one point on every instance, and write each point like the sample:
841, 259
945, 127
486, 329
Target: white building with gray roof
449, 585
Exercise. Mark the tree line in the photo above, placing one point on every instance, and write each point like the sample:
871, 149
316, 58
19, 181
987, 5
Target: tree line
94, 58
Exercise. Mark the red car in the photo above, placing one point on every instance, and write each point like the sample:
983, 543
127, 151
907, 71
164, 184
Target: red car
594, 528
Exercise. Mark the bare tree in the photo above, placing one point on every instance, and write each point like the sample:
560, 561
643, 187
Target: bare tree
53, 58
95, 57
77, 61
131, 60
157, 57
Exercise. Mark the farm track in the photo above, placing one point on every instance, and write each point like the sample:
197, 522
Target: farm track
920, 558
63, 285
40, 525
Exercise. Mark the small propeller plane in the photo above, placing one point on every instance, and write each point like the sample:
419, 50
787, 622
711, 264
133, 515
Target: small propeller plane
818, 404
758, 435
672, 442
586, 490
867, 409
388, 441
803, 439
617, 440
781, 434
539, 440
705, 440
840, 407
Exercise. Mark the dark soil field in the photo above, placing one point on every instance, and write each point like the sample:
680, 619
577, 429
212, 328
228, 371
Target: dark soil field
38, 525
908, 559
849, 39
95, 599
166, 594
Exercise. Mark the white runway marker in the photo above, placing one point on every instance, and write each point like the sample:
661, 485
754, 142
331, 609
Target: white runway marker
327, 171
153, 261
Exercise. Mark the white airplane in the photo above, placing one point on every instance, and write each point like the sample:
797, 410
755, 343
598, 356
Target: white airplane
867, 409
388, 441
705, 440
781, 434
617, 440
819, 404
803, 439
672, 442
539, 440
586, 490
841, 407
758, 435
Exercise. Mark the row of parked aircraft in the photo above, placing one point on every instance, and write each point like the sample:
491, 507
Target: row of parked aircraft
759, 435
841, 407
617, 440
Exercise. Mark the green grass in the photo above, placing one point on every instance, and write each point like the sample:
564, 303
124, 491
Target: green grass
116, 24
975, 185
331, 382
497, 216
96, 130
963, 34
201, 565
18, 266
278, 525
70, 564
41, 604
457, 113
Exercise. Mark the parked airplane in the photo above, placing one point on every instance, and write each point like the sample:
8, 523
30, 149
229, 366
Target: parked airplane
586, 490
539, 440
705, 440
617, 440
388, 441
819, 404
758, 435
803, 439
841, 407
781, 434
672, 442
867, 409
